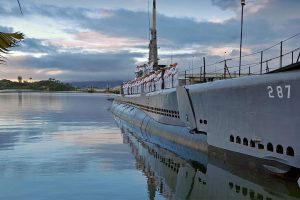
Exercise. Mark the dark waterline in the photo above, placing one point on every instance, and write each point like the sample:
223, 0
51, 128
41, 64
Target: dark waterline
64, 146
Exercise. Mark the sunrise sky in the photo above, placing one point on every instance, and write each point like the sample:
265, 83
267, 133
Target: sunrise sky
76, 40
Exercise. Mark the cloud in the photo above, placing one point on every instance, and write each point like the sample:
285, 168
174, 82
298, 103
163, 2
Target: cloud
99, 42
6, 29
96, 65
225, 4
88, 43
177, 31
33, 45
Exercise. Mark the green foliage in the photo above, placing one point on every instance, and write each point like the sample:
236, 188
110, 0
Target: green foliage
46, 85
8, 40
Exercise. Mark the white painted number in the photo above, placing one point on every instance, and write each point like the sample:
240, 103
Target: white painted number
282, 92
270, 92
288, 87
279, 92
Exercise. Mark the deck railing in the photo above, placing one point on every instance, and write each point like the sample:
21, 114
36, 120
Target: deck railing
277, 56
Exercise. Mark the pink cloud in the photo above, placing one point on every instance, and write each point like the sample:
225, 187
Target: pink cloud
99, 42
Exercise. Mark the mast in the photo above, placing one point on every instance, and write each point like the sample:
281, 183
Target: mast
153, 42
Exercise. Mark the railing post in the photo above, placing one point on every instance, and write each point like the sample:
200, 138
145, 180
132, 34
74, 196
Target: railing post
204, 70
185, 77
267, 66
281, 54
261, 61
249, 72
200, 73
292, 57
224, 69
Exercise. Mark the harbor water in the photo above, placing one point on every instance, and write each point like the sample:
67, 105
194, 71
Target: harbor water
68, 146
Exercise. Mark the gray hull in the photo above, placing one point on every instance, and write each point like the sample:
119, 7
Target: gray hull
255, 116
182, 177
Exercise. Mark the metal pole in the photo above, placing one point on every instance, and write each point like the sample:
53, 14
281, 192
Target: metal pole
280, 54
243, 3
193, 66
204, 70
185, 77
224, 69
261, 61
200, 73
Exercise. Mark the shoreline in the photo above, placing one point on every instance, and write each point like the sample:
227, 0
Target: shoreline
45, 91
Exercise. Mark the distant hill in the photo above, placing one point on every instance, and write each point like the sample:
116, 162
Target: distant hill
95, 84
46, 85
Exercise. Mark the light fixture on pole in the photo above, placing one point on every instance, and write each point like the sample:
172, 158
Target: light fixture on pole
243, 3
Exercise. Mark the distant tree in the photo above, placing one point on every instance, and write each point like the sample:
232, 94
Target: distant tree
20, 79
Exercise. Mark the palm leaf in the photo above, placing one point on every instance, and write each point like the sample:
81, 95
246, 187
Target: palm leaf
8, 40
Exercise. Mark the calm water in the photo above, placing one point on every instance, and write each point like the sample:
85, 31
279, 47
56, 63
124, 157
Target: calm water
67, 146
64, 146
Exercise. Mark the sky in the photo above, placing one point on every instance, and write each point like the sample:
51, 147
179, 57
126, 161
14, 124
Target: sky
98, 40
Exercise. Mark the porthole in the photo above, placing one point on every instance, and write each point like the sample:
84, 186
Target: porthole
279, 149
270, 147
260, 197
290, 151
230, 185
238, 140
252, 194
237, 188
252, 143
245, 142
231, 139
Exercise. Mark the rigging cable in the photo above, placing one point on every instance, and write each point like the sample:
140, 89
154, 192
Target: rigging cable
20, 7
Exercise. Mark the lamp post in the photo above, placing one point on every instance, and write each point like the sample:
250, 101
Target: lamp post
243, 3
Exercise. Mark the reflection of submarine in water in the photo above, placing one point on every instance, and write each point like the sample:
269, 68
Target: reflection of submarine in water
207, 177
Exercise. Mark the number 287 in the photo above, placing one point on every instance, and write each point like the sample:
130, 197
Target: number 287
279, 91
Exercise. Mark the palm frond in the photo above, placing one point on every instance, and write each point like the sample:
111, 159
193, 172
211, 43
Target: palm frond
8, 40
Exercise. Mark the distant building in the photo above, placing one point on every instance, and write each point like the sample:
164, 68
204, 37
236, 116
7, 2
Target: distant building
20, 79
